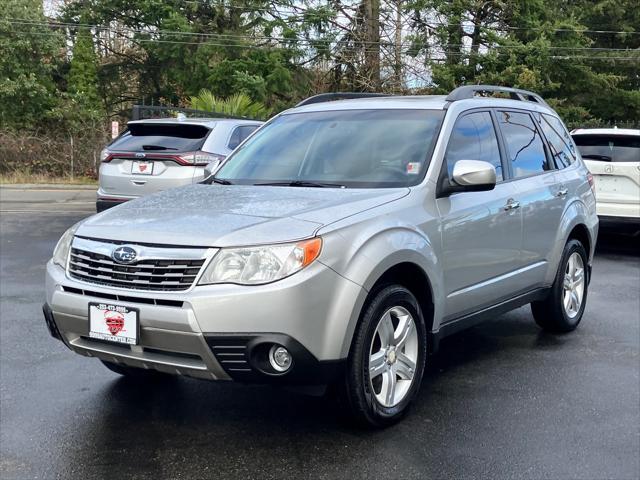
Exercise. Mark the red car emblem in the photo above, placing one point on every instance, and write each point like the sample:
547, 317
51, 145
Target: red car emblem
142, 167
114, 321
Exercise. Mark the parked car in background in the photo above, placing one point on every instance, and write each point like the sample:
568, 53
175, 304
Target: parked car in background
154, 155
612, 155
337, 246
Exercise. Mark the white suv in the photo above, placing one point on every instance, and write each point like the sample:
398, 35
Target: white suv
612, 155
154, 155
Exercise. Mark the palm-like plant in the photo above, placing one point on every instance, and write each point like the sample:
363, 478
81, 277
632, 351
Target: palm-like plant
239, 105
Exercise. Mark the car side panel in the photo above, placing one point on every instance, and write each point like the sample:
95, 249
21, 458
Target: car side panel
364, 250
542, 208
580, 209
481, 246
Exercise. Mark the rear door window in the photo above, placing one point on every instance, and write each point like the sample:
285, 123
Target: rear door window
525, 148
609, 148
150, 137
240, 134
474, 138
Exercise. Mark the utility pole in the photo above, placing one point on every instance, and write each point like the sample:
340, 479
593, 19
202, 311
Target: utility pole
372, 43
398, 46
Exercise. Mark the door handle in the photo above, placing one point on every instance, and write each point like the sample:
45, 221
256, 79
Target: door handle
562, 192
138, 182
511, 205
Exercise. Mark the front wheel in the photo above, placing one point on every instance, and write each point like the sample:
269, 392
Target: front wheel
387, 357
562, 310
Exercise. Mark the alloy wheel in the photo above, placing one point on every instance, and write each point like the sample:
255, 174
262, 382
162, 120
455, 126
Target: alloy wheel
573, 285
393, 356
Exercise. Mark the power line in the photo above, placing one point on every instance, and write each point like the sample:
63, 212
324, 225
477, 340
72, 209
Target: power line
344, 48
439, 23
222, 36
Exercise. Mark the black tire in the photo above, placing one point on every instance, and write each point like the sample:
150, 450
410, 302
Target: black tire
137, 373
550, 313
356, 391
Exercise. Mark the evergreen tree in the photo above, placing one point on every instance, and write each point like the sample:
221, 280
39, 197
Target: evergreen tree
82, 82
29, 58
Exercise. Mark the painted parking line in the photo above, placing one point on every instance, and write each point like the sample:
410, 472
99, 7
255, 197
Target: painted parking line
48, 211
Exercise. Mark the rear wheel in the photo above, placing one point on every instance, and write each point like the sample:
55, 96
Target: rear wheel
562, 310
137, 373
387, 358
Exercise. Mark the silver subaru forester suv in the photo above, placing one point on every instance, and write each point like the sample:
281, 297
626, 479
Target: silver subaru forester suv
337, 246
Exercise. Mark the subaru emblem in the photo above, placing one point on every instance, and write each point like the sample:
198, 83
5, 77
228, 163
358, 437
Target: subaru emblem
124, 254
141, 155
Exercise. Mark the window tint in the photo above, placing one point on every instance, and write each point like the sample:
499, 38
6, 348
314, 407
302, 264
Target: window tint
240, 134
474, 138
161, 136
562, 148
609, 148
525, 148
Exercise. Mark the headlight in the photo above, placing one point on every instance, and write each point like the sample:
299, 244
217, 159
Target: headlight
61, 252
259, 265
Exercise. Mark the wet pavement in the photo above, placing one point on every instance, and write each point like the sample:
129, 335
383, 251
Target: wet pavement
502, 400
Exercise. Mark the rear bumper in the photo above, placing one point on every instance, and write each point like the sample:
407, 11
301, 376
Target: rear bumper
103, 204
628, 211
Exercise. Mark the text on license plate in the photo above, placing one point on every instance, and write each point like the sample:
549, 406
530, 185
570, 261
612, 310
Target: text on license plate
113, 323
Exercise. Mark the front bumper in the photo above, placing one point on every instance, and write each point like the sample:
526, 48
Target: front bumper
189, 333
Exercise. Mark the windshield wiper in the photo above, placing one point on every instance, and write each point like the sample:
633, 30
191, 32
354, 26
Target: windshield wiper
301, 183
220, 181
157, 147
593, 156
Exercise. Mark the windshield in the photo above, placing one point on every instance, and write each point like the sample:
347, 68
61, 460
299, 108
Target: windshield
609, 148
142, 137
345, 148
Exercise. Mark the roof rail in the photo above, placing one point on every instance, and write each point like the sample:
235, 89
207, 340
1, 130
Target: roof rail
330, 97
470, 91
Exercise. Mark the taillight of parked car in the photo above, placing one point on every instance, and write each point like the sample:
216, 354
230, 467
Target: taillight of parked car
592, 182
105, 155
199, 158
188, 158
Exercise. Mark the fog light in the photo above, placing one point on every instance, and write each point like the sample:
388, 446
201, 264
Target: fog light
280, 358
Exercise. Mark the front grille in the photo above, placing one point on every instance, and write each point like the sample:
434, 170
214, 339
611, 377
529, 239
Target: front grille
147, 274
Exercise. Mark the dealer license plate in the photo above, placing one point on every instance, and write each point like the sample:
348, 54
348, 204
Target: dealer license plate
141, 168
114, 323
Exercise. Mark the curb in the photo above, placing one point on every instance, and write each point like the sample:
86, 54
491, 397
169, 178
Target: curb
47, 186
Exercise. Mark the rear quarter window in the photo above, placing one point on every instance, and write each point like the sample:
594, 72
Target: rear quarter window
240, 134
562, 148
609, 148
143, 137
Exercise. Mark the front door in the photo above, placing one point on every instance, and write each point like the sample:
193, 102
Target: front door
481, 231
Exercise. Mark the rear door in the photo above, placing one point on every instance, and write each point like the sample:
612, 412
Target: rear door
542, 198
151, 157
481, 235
614, 162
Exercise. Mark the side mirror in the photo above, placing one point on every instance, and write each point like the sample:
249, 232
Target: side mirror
473, 176
211, 168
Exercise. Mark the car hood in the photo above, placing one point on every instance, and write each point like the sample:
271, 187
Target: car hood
235, 215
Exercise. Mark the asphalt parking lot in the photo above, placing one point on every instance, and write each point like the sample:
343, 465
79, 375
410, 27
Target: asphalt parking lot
502, 400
